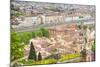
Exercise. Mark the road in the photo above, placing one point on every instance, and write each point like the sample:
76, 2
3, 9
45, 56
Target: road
47, 25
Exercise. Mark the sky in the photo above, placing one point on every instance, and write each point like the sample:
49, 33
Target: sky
85, 2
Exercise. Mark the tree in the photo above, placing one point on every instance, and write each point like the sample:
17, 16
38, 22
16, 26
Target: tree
85, 27
38, 33
93, 47
33, 35
25, 37
93, 50
16, 46
81, 17
12, 6
79, 26
83, 54
32, 54
39, 56
45, 32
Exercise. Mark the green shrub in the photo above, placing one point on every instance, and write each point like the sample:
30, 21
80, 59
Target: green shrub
68, 57
32, 62
47, 61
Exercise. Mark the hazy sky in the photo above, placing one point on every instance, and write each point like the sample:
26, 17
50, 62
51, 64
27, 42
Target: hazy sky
88, 2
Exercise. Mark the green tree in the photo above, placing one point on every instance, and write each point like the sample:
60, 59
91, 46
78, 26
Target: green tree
16, 46
93, 47
85, 27
33, 35
17, 13
32, 54
12, 7
38, 33
39, 56
45, 32
25, 37
79, 26
81, 17
83, 54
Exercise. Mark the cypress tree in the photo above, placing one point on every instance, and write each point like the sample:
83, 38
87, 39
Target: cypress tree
83, 54
32, 54
39, 56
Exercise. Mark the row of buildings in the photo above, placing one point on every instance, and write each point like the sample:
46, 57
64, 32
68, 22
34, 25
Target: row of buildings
47, 14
